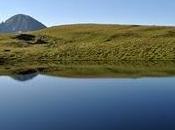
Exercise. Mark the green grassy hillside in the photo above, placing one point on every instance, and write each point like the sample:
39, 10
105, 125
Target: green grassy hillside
111, 42
93, 43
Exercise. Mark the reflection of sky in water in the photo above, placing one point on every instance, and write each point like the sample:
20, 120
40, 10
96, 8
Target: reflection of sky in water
61, 103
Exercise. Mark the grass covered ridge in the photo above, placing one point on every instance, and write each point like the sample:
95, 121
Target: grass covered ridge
91, 42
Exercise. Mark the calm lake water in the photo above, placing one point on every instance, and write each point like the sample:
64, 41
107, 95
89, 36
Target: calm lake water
52, 103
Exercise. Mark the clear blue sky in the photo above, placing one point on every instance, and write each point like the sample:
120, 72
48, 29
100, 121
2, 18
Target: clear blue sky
56, 12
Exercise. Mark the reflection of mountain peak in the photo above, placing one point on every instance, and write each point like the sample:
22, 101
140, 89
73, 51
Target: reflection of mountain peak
24, 77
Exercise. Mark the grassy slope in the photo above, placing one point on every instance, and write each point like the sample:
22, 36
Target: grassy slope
111, 42
95, 42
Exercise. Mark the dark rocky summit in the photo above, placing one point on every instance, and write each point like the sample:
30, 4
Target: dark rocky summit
20, 23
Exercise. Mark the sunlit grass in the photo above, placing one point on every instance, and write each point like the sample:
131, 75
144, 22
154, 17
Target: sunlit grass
93, 43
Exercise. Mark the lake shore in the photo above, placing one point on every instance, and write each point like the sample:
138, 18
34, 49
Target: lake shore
92, 69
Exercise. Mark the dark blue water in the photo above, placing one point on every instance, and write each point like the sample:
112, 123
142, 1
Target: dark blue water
50, 103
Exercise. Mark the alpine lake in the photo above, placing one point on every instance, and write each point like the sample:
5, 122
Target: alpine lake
88, 96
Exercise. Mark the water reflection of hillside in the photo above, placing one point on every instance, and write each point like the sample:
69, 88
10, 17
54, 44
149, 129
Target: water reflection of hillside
128, 69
